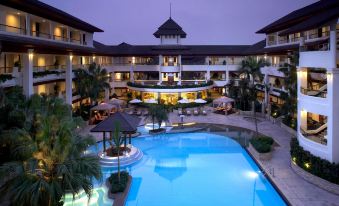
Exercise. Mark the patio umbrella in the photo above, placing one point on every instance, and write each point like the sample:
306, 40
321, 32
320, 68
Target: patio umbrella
116, 101
102, 107
200, 101
183, 101
135, 101
151, 101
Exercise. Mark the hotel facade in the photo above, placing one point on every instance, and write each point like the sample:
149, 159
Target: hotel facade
42, 46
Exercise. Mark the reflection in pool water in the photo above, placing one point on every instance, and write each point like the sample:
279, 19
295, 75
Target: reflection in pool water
193, 169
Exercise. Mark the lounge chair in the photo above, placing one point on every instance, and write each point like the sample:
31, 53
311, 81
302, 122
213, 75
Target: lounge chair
195, 112
188, 112
139, 113
204, 112
130, 112
180, 111
145, 113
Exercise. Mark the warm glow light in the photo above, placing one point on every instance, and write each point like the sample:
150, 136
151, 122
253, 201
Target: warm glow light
307, 165
133, 60
294, 160
30, 55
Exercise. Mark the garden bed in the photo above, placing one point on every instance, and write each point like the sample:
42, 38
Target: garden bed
261, 147
119, 191
113, 151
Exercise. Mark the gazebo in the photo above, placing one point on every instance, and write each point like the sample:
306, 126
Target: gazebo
128, 126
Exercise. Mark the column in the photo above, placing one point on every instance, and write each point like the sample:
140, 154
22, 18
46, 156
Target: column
51, 29
180, 68
227, 76
68, 34
160, 65
28, 24
333, 45
333, 114
69, 78
208, 74
28, 73
131, 74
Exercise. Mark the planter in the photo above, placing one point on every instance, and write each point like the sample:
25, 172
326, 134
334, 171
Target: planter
319, 182
121, 197
260, 156
158, 131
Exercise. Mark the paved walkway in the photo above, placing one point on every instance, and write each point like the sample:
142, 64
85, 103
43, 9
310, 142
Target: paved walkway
298, 191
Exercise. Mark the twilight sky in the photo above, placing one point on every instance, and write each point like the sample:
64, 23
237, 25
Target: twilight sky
204, 21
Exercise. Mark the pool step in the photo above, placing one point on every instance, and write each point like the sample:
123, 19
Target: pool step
134, 156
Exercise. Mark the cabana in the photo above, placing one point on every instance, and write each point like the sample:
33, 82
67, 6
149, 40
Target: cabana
223, 104
128, 125
105, 107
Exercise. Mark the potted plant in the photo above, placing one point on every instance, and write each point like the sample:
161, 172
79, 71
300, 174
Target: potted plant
261, 147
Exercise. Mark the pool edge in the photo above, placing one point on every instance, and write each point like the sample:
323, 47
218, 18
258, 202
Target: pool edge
268, 177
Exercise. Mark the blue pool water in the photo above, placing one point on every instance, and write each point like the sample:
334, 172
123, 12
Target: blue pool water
193, 169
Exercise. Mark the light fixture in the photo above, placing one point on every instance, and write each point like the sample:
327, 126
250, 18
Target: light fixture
18, 13
43, 20
307, 165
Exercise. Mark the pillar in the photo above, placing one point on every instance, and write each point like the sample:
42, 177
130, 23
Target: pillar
131, 74
28, 24
28, 73
160, 65
227, 76
333, 114
208, 75
69, 79
180, 68
333, 45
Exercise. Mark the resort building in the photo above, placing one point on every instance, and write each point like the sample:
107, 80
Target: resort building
42, 46
314, 31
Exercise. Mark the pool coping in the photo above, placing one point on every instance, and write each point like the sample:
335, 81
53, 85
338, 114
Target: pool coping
262, 170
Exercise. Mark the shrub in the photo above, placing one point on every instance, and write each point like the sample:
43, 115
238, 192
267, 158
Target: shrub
5, 77
312, 164
117, 186
131, 84
262, 144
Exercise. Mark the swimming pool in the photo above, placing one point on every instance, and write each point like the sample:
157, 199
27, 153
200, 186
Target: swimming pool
193, 169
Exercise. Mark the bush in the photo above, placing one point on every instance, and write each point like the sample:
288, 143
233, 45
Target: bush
262, 144
117, 186
289, 121
5, 77
131, 84
312, 164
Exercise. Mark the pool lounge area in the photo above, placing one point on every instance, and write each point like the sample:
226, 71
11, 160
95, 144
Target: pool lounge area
201, 168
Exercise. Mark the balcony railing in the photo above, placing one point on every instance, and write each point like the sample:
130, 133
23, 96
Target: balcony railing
47, 68
76, 41
12, 29
60, 38
40, 34
314, 93
319, 35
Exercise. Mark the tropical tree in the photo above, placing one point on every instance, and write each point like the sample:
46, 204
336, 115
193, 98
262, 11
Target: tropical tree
289, 108
250, 69
161, 115
47, 156
152, 111
118, 140
91, 82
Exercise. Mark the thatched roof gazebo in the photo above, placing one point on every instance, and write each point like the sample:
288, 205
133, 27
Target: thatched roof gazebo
128, 125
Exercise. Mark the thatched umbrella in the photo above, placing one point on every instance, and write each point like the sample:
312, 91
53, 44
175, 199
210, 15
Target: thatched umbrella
128, 125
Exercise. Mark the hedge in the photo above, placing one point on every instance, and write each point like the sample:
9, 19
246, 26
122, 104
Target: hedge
45, 73
262, 144
5, 77
136, 85
312, 164
115, 185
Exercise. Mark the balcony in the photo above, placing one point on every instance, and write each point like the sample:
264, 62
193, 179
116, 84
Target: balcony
314, 128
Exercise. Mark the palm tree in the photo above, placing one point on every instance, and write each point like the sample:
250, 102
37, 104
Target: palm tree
152, 110
48, 156
91, 82
118, 140
250, 68
161, 115
290, 99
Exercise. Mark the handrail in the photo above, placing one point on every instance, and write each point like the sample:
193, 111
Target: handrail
13, 27
318, 130
41, 34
